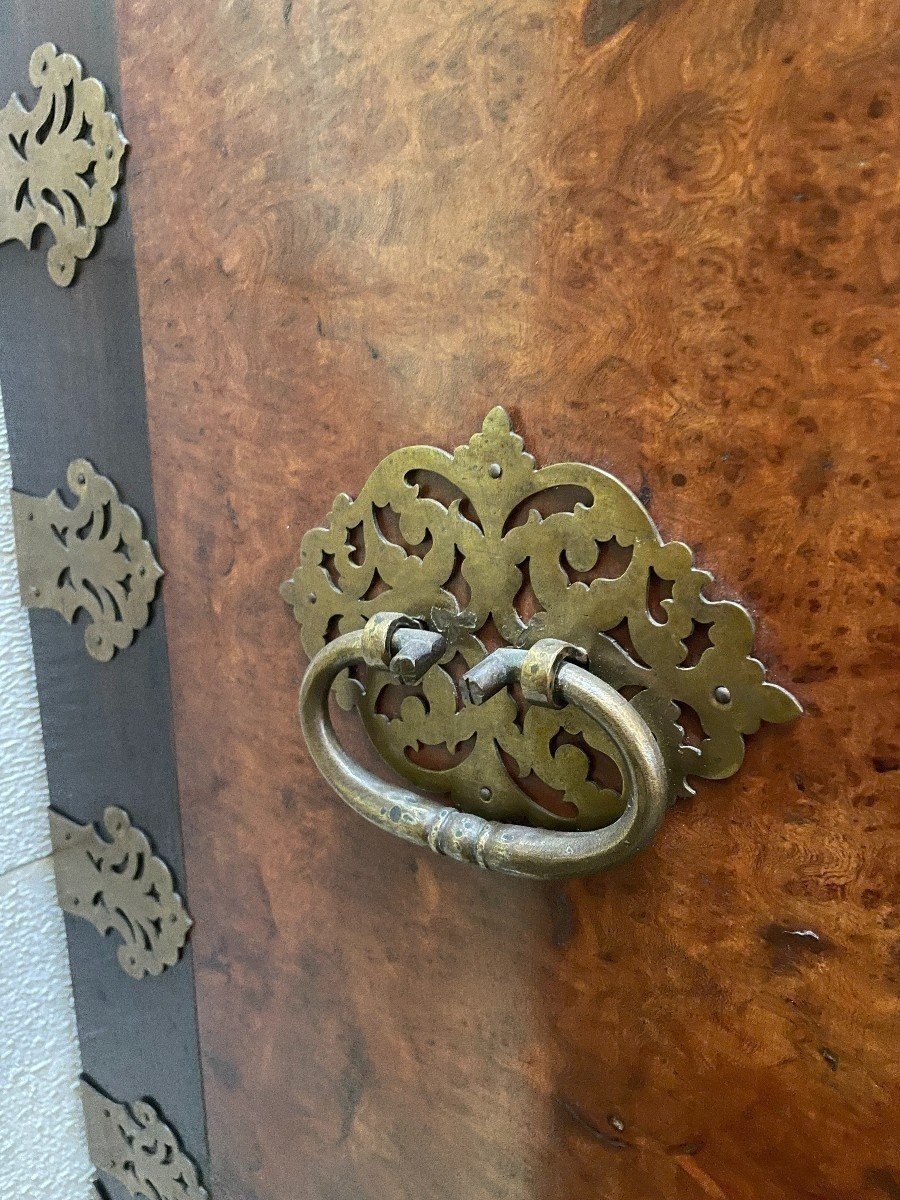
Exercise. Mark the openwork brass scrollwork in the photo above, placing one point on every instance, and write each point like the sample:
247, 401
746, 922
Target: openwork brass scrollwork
91, 558
120, 886
134, 1145
59, 162
490, 552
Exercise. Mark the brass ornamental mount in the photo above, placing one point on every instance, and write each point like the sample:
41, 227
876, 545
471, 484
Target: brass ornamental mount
134, 1145
521, 642
59, 162
120, 886
90, 558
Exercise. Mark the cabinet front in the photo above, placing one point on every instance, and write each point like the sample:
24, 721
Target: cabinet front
563, 332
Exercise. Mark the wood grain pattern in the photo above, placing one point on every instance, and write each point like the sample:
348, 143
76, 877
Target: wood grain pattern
667, 244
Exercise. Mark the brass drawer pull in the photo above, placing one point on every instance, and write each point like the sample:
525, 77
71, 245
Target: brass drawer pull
479, 573
550, 675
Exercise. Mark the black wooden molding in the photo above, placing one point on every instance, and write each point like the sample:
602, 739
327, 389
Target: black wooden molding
72, 380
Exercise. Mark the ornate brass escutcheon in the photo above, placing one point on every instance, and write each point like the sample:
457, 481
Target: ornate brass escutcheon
501, 576
91, 558
136, 1146
59, 162
120, 886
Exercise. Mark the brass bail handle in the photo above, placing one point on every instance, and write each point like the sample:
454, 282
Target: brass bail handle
551, 673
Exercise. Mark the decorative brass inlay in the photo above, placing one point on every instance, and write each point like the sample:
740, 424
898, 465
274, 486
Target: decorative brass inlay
92, 557
60, 162
120, 886
493, 551
135, 1146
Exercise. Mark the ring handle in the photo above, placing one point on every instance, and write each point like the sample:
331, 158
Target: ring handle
551, 674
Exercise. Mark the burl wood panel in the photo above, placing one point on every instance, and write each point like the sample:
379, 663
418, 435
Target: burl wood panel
661, 234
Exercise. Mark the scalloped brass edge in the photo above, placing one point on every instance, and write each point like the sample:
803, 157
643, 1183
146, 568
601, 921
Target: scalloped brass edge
60, 162
90, 558
120, 886
135, 1145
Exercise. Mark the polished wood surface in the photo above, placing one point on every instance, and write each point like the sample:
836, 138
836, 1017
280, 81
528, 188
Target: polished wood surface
663, 238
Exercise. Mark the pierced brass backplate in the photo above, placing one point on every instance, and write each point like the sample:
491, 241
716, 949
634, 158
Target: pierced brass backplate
493, 551
60, 162
134, 1145
120, 886
92, 557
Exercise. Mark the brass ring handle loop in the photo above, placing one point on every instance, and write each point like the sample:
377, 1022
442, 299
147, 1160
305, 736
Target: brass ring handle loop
550, 674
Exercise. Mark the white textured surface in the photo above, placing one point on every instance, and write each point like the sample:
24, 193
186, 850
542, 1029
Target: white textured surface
24, 834
43, 1153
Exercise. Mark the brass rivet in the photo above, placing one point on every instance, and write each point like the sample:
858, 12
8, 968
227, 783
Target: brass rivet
495, 470
485, 793
722, 695
311, 598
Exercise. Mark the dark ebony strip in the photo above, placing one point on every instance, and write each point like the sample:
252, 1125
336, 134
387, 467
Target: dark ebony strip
73, 386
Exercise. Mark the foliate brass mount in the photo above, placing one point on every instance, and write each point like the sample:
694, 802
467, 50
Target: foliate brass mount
134, 1145
91, 557
59, 162
492, 554
120, 886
